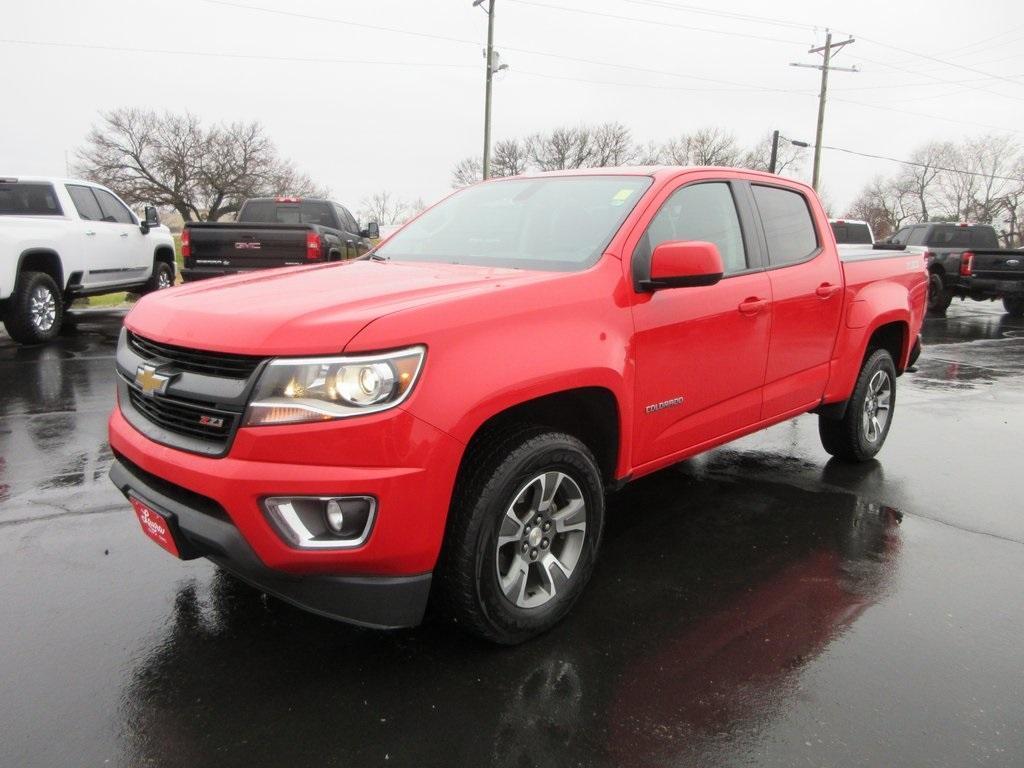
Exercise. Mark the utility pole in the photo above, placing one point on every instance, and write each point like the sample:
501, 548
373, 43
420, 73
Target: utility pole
489, 55
775, 152
826, 52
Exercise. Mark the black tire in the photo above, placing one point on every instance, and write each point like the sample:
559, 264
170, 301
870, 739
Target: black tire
467, 581
26, 325
939, 298
162, 277
848, 438
1014, 305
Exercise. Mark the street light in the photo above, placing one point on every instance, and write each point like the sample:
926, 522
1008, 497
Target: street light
775, 148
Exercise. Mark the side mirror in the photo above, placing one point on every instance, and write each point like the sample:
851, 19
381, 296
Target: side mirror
372, 231
151, 220
683, 264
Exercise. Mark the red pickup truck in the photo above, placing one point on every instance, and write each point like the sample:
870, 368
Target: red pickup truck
442, 418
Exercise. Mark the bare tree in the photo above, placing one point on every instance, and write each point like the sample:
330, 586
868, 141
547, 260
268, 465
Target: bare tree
469, 170
172, 161
921, 181
759, 157
384, 208
612, 145
561, 148
885, 205
509, 158
650, 153
708, 146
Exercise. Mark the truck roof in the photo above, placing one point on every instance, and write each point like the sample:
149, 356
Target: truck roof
11, 178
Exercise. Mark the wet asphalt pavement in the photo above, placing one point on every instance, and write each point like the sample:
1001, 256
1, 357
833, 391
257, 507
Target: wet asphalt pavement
759, 606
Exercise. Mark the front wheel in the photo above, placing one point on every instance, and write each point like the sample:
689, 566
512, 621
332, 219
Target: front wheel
862, 430
35, 309
1014, 305
523, 536
162, 277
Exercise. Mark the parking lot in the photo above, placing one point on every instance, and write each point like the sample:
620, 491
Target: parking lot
758, 605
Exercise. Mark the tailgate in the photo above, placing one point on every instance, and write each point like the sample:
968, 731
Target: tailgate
248, 246
999, 265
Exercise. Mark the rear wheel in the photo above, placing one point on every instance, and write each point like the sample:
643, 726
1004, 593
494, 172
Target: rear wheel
35, 309
939, 298
523, 537
1014, 305
862, 430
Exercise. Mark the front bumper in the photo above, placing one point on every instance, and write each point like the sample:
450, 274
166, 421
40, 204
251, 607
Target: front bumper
375, 601
403, 462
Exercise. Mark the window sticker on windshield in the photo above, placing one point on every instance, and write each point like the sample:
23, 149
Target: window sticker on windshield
621, 196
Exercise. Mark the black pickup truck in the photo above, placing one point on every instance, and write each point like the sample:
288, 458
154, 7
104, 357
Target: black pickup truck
965, 260
273, 232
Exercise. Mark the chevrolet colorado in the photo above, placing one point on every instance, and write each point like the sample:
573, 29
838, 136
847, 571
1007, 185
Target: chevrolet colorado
444, 417
965, 260
273, 232
63, 239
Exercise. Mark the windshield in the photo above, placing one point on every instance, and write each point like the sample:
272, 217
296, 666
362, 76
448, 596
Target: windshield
558, 223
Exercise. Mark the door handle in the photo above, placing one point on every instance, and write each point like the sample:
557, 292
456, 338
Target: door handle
124, 234
827, 290
752, 306
90, 233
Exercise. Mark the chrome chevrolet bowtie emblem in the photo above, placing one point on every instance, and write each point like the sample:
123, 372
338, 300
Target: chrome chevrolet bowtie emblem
149, 381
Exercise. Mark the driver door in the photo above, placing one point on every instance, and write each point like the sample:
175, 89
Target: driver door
700, 352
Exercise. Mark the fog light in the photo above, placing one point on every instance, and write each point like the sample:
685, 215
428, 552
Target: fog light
335, 516
322, 522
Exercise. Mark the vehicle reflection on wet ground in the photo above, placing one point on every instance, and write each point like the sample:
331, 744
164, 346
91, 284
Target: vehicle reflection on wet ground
757, 605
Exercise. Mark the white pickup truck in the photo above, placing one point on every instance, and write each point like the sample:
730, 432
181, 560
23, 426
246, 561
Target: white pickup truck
62, 239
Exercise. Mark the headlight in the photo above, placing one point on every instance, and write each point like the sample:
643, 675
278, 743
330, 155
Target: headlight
291, 391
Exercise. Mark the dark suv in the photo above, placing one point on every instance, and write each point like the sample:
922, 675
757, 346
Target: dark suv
965, 260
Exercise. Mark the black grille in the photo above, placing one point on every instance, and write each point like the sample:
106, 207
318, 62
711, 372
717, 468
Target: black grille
185, 417
196, 360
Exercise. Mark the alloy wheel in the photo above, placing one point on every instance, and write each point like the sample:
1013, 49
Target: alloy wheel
877, 406
540, 539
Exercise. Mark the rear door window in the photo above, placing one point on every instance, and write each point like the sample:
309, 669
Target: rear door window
85, 202
28, 199
788, 227
113, 209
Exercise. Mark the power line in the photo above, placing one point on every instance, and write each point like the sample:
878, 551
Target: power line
653, 22
973, 123
732, 15
940, 61
943, 80
919, 165
527, 51
227, 55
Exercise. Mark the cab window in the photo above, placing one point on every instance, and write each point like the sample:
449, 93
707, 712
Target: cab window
788, 227
113, 209
705, 212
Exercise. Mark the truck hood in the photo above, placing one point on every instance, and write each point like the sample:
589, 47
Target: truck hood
305, 310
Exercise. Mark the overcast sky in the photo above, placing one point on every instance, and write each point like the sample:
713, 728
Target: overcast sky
394, 111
